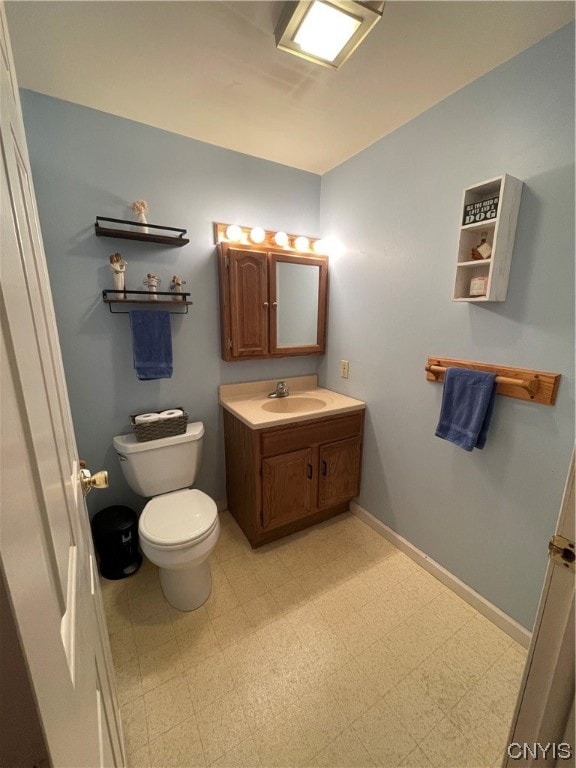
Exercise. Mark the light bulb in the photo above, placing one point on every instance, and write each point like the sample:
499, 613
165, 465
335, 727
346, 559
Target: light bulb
257, 235
302, 243
320, 246
333, 246
281, 239
233, 232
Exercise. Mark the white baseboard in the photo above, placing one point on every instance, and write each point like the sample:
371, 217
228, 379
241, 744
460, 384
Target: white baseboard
512, 628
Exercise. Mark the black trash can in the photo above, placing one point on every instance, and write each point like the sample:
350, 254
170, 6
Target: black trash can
115, 531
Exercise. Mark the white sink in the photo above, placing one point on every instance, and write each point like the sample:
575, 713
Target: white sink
294, 404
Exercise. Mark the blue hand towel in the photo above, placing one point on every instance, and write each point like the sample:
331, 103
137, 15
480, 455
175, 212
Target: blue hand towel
467, 405
151, 343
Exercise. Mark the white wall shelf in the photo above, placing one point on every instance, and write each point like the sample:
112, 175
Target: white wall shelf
490, 207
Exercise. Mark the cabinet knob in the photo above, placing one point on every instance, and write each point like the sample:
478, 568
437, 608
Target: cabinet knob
274, 304
265, 304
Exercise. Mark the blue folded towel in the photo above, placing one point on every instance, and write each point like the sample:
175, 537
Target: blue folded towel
467, 405
151, 343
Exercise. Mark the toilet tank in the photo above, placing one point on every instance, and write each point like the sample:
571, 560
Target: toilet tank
160, 466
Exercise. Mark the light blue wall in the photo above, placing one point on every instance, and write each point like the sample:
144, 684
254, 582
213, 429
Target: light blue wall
486, 516
86, 163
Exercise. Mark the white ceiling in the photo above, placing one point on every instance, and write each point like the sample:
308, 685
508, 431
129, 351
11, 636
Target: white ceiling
211, 71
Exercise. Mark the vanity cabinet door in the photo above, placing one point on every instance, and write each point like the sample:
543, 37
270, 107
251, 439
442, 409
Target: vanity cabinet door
287, 487
339, 478
249, 329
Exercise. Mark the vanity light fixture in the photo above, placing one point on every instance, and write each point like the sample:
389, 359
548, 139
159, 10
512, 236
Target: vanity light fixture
233, 233
326, 32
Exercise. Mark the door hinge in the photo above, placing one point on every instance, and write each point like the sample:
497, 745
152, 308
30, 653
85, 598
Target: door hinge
562, 551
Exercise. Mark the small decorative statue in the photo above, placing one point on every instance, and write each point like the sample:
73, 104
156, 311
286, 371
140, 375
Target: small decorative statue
483, 250
140, 208
118, 267
176, 286
152, 282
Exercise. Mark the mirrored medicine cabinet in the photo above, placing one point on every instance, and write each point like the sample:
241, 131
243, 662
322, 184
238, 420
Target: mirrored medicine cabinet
272, 304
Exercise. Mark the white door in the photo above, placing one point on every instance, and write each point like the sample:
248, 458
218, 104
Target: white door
542, 731
46, 553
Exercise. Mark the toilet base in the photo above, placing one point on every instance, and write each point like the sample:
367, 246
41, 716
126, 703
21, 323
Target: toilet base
188, 589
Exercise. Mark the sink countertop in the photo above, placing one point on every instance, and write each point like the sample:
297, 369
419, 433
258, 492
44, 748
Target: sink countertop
245, 401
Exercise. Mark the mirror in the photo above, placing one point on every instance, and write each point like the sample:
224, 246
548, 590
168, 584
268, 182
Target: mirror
271, 304
297, 292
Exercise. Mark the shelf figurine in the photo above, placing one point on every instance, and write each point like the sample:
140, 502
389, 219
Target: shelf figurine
151, 281
140, 208
118, 267
176, 286
483, 250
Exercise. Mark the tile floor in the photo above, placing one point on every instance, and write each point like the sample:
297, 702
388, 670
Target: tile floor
328, 648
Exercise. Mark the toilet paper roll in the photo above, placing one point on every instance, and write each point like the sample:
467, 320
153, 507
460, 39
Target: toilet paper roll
173, 413
146, 418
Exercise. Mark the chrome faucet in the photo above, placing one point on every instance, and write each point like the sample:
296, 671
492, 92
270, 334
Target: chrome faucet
281, 390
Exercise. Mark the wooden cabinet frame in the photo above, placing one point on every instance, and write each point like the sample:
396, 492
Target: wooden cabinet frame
249, 311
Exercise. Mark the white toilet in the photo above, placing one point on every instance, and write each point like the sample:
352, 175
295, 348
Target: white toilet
179, 526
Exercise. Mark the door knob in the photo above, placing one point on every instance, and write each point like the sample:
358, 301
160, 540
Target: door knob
89, 481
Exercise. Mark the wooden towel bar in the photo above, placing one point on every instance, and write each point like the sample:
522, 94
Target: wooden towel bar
521, 383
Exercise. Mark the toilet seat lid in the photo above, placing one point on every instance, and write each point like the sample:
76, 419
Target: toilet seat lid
177, 518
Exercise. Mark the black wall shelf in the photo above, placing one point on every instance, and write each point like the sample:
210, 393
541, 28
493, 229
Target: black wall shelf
114, 297
158, 236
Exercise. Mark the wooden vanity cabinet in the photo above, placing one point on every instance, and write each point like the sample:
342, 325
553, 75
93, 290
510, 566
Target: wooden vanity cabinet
284, 478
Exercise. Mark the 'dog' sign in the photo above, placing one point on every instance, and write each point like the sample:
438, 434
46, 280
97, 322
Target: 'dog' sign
484, 210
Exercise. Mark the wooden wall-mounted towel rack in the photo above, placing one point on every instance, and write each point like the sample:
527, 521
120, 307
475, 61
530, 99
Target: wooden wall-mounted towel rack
521, 383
